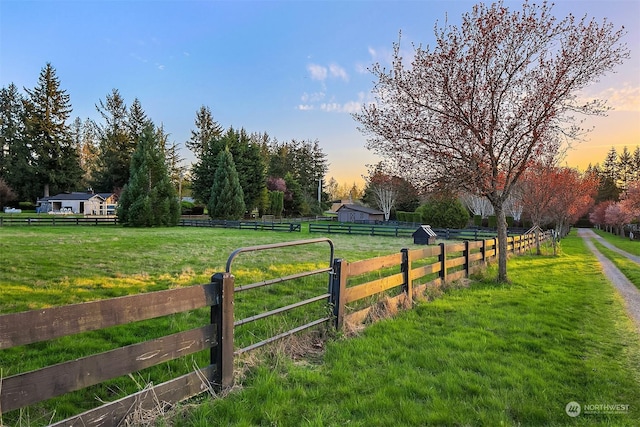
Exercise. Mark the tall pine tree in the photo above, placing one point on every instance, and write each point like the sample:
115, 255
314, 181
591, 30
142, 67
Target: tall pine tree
56, 161
116, 145
206, 130
149, 199
227, 198
15, 150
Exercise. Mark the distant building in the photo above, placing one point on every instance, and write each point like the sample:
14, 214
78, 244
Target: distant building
87, 203
358, 213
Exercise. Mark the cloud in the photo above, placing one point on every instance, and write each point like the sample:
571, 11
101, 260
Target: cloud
313, 97
338, 72
160, 67
334, 107
625, 98
318, 72
321, 73
348, 107
621, 98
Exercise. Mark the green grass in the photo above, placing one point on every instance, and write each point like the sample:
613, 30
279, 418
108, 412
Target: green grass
488, 355
631, 246
629, 268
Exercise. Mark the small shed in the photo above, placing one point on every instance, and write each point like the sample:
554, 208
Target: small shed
358, 213
424, 235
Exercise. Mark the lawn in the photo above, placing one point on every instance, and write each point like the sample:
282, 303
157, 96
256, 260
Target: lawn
486, 354
629, 268
631, 246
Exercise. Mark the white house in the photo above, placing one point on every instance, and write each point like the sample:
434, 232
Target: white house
89, 203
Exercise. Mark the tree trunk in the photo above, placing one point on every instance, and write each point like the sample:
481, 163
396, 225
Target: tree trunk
502, 243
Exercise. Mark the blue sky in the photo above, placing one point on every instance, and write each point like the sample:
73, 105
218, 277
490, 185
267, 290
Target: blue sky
293, 69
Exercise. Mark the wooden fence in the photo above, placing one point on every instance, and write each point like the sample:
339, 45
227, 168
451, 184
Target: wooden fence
241, 225
399, 279
57, 220
391, 230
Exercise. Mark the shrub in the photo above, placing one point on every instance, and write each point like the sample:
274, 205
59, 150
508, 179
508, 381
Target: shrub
444, 213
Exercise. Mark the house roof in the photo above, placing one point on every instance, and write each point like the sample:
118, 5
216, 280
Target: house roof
73, 196
360, 208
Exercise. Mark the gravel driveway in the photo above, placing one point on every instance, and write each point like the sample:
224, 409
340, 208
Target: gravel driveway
629, 292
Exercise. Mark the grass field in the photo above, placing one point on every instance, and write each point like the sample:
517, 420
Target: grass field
488, 354
629, 268
631, 246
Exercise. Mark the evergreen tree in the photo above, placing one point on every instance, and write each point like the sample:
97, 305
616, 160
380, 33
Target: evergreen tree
625, 168
207, 129
276, 203
294, 203
15, 150
305, 161
636, 164
137, 120
202, 173
148, 199
89, 151
55, 158
227, 199
249, 164
115, 146
610, 166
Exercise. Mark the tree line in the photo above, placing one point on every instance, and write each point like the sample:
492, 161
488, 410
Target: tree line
42, 153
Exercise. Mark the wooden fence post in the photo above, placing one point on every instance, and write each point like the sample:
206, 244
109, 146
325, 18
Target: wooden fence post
405, 267
466, 258
338, 284
443, 262
222, 316
483, 249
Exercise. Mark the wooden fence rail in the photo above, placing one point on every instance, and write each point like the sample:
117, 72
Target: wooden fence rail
405, 276
54, 220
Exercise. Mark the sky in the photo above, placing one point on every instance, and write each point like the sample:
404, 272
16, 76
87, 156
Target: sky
293, 69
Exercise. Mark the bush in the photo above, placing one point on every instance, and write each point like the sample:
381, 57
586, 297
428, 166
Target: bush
477, 220
413, 217
493, 221
186, 208
510, 221
444, 213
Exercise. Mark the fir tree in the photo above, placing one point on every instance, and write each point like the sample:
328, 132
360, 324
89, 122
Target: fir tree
15, 150
55, 159
227, 198
148, 199
206, 130
116, 146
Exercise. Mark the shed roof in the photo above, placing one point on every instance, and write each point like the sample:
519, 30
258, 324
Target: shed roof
360, 208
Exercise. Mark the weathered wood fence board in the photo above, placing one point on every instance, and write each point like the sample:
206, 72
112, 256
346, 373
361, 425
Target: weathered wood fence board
175, 390
35, 386
55, 322
373, 264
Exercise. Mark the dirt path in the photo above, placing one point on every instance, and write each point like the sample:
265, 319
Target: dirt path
629, 292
